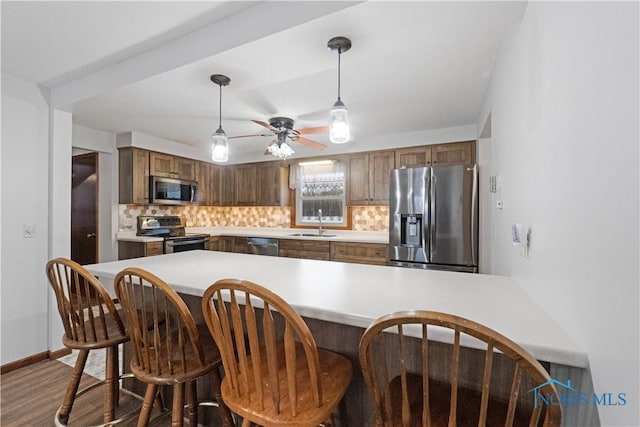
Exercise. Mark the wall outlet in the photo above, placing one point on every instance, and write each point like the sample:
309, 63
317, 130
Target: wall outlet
29, 231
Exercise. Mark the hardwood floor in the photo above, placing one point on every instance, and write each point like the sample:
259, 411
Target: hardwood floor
31, 395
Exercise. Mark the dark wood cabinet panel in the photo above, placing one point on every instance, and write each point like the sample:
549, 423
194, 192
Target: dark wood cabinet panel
227, 185
413, 157
380, 165
368, 177
245, 185
361, 253
127, 250
305, 249
170, 166
133, 164
208, 179
272, 184
456, 153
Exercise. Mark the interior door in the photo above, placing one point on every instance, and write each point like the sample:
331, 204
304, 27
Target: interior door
84, 208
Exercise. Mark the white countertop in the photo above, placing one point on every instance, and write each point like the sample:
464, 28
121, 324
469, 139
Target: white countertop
278, 233
356, 294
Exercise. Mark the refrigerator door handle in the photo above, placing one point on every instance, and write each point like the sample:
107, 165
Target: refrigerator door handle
474, 213
425, 220
432, 216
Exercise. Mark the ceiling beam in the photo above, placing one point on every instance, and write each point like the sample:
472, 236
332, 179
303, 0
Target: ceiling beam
253, 23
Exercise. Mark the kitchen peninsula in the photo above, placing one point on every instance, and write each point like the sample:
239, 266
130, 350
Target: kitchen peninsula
348, 297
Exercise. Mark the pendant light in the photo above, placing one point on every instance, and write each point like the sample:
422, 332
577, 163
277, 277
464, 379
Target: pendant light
220, 144
339, 131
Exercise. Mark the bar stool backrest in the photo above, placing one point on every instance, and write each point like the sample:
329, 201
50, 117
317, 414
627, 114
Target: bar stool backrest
166, 341
89, 315
406, 395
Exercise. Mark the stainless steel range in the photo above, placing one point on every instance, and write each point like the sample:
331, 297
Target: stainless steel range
172, 229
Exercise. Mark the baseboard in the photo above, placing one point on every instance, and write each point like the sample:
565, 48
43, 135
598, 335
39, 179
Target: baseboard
30, 360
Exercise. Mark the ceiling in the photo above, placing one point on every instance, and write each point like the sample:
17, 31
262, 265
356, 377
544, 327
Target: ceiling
145, 66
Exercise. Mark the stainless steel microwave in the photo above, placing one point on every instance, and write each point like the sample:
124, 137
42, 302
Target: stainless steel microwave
170, 191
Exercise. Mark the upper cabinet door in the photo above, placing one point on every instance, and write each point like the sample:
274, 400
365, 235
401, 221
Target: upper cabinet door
134, 176
208, 179
380, 165
185, 168
358, 179
161, 164
413, 157
245, 185
368, 177
170, 166
457, 153
272, 184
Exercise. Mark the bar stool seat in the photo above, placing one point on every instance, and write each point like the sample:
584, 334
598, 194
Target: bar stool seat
91, 321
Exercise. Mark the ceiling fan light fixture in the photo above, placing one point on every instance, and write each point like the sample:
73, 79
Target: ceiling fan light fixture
339, 128
220, 142
281, 151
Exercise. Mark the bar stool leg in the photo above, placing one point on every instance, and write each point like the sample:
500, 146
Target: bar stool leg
147, 405
192, 403
225, 413
72, 388
111, 384
178, 405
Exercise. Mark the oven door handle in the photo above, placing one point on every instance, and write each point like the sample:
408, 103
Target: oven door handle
187, 242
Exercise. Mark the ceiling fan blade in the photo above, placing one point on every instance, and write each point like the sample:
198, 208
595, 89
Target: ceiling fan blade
263, 124
308, 131
248, 136
309, 143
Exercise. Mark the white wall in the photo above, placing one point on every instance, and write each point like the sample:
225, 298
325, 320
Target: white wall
25, 189
564, 113
104, 143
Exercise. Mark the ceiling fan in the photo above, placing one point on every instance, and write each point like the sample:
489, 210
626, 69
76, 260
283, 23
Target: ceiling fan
282, 129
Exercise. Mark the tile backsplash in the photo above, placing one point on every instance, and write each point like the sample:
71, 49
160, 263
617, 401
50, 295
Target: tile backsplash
364, 218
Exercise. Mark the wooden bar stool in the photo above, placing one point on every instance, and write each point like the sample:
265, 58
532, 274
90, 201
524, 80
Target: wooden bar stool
410, 396
91, 321
274, 373
168, 347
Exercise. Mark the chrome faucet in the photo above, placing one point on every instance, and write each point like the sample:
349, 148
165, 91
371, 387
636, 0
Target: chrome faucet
320, 230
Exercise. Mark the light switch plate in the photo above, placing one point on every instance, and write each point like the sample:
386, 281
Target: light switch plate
29, 231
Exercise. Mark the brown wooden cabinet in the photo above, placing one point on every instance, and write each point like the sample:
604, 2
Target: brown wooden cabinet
228, 244
227, 185
368, 177
272, 184
245, 185
454, 153
413, 157
133, 164
208, 178
167, 165
127, 250
361, 253
305, 249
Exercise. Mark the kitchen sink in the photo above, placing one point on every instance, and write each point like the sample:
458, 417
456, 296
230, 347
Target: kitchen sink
312, 235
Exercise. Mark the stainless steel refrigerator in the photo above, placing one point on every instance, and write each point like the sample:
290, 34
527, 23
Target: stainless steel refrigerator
433, 218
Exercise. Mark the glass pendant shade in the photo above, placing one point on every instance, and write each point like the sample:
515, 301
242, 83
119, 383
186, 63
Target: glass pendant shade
220, 146
339, 132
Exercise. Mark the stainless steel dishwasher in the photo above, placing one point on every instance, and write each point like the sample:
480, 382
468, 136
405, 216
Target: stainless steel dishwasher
262, 246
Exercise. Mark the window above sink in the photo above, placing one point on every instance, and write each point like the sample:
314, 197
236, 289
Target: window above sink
321, 187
